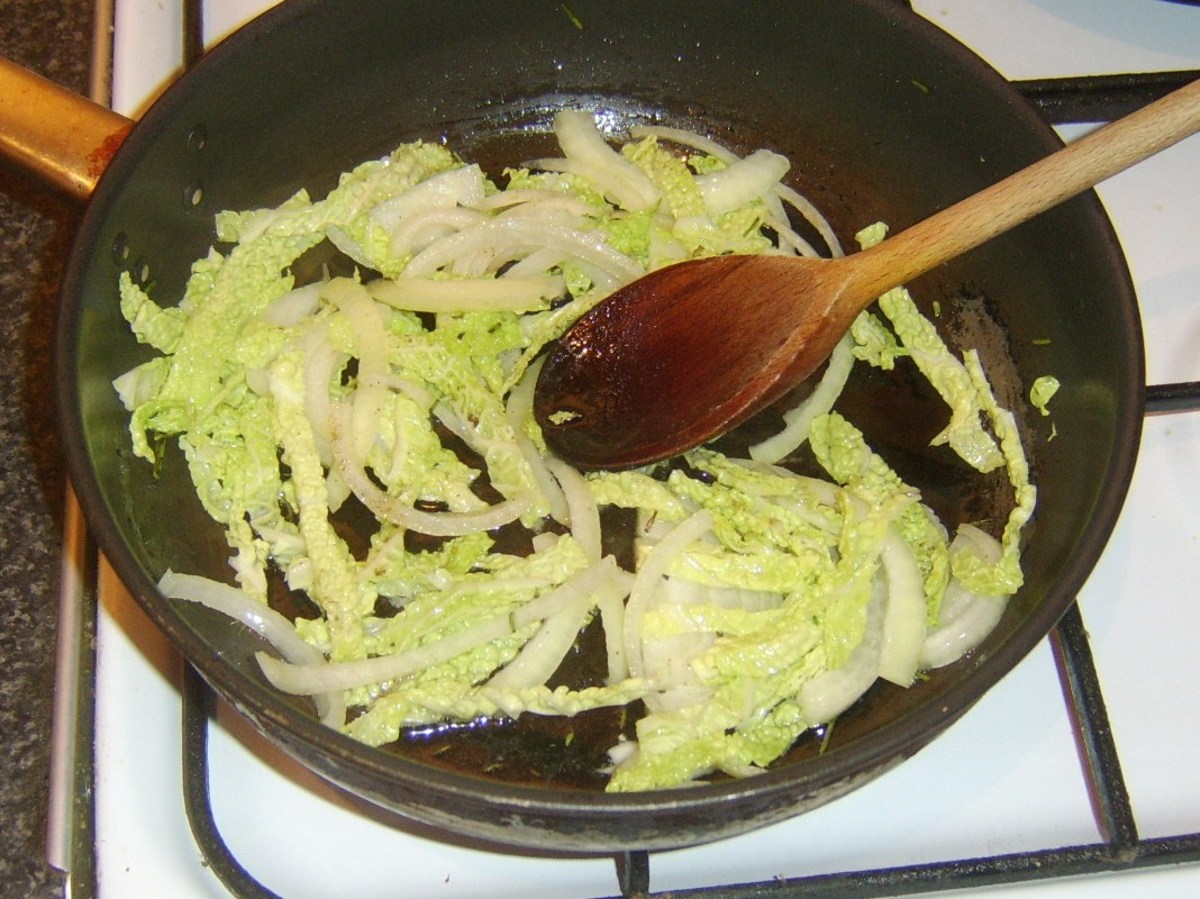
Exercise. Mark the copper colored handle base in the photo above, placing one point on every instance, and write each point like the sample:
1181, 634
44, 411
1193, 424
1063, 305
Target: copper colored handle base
59, 136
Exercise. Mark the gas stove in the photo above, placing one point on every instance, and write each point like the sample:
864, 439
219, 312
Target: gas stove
1073, 776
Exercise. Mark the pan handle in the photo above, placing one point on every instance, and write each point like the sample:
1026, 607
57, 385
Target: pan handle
61, 137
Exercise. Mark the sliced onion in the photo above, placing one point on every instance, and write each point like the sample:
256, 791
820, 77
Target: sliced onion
905, 614
582, 511
685, 138
320, 362
789, 240
678, 698
238, 604
569, 214
679, 591
462, 186
954, 639
612, 619
813, 216
742, 182
419, 230
519, 407
552, 493
617, 177
800, 417
411, 389
650, 573
535, 197
310, 679
264, 621
370, 337
545, 651
828, 695
504, 294
587, 581
293, 307
622, 751
307, 678
966, 618
537, 262
788, 195
667, 659
396, 511
505, 239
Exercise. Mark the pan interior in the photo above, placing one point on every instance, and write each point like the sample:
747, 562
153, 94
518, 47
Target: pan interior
882, 118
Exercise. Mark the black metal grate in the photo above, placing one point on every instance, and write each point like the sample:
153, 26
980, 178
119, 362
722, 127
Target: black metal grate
1060, 101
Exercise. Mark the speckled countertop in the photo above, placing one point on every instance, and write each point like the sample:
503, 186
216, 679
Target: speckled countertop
53, 37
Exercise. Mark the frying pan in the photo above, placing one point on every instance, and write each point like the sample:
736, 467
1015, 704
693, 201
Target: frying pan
883, 117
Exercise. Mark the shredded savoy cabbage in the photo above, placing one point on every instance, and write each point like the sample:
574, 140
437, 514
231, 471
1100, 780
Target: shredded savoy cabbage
760, 604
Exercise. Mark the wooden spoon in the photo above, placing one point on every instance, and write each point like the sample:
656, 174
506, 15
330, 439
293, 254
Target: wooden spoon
686, 352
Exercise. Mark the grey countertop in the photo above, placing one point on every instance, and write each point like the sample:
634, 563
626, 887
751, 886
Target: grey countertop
52, 37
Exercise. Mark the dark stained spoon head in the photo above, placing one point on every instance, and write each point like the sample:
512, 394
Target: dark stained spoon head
675, 358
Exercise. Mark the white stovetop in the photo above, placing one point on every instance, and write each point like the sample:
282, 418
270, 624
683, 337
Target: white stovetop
1006, 778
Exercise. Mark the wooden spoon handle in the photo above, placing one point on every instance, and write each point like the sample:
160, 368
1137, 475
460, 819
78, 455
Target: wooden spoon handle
1019, 197
56, 134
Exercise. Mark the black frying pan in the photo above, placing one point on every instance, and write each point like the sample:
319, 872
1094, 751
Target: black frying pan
882, 116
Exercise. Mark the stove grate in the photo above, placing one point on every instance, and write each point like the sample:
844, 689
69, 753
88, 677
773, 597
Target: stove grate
1181, 397
1099, 98
1060, 101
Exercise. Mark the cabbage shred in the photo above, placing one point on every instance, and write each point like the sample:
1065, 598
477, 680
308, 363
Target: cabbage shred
761, 604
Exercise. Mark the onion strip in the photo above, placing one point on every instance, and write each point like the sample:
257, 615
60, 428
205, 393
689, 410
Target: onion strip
323, 677
798, 420
616, 176
544, 652
966, 617
742, 182
650, 574
582, 511
828, 695
398, 512
519, 411
787, 194
904, 617
504, 294
264, 621
510, 238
